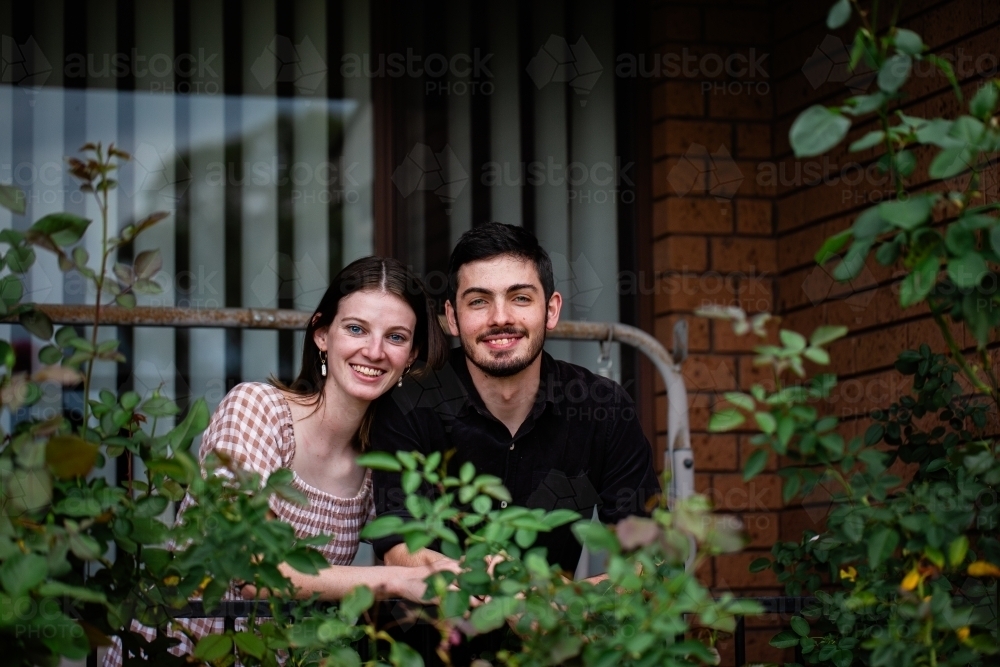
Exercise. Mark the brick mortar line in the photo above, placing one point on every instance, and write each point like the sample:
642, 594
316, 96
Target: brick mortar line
833, 96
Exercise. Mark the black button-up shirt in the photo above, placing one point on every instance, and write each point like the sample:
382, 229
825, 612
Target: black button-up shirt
580, 446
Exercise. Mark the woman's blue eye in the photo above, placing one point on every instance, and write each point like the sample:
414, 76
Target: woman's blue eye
355, 329
398, 338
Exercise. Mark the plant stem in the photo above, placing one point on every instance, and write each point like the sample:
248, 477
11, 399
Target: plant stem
956, 353
99, 283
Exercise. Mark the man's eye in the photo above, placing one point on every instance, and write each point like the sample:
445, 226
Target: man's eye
477, 302
522, 298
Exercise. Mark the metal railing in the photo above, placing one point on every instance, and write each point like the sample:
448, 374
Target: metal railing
678, 457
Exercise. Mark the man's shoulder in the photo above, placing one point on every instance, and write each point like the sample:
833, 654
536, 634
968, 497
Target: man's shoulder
566, 372
427, 391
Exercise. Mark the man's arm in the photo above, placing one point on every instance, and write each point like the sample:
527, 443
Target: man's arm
629, 480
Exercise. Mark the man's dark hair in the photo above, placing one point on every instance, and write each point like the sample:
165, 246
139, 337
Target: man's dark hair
494, 239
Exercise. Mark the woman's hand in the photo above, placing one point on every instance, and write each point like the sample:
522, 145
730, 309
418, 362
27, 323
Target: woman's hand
408, 582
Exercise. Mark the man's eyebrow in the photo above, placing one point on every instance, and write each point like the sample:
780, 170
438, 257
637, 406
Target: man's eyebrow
519, 287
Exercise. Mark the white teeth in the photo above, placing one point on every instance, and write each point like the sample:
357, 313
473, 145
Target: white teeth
365, 370
502, 341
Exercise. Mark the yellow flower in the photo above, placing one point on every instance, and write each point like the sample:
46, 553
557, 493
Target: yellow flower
982, 568
962, 633
172, 580
850, 573
911, 580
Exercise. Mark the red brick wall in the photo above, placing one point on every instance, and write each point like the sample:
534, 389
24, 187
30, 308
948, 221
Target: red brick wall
747, 235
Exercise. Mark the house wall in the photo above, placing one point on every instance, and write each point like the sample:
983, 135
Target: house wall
736, 220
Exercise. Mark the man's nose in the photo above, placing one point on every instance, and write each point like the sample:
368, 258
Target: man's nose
500, 314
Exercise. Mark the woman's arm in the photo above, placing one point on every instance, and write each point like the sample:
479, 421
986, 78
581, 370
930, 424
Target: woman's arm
336, 581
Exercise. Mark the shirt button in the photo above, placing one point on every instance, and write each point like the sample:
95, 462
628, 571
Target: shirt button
503, 504
512, 446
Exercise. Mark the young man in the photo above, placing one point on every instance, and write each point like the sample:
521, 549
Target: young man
555, 433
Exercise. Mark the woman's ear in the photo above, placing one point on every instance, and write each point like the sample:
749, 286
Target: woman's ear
318, 334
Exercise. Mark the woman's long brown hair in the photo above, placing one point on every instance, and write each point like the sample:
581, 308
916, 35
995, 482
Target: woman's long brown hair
376, 274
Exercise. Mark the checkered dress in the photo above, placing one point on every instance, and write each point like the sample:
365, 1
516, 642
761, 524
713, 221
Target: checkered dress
253, 425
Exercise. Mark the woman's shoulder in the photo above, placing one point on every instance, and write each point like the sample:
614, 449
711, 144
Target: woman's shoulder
259, 401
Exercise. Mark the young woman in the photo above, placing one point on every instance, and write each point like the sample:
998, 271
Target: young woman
373, 323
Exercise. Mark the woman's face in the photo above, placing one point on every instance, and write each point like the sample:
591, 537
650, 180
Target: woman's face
369, 343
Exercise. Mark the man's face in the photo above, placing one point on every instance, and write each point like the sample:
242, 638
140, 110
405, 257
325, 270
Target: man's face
501, 314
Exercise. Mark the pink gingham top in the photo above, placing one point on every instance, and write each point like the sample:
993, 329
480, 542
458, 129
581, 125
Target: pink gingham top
253, 425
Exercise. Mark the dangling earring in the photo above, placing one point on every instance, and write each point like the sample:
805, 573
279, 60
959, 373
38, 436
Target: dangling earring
405, 371
322, 363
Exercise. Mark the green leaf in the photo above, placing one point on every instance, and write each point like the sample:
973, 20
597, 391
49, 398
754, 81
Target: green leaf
827, 334
213, 647
493, 614
159, 406
984, 103
785, 639
13, 199
126, 300
411, 481
63, 228
595, 536
853, 261
959, 240
383, 526
817, 355
356, 602
22, 572
854, 527
740, 400
792, 340
908, 42
817, 130
800, 626
881, 545
906, 162
725, 420
840, 13
894, 72
151, 506
760, 564
951, 162
869, 224
60, 589
401, 655
968, 270
379, 461
873, 138
755, 464
907, 213
918, 283
766, 422
251, 644
791, 488
957, 550
864, 104
50, 354
832, 246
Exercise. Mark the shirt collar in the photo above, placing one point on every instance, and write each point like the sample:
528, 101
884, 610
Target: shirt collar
546, 396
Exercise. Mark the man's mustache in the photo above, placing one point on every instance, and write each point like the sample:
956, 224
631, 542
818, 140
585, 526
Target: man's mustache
501, 331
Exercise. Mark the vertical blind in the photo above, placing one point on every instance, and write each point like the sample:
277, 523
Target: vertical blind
240, 125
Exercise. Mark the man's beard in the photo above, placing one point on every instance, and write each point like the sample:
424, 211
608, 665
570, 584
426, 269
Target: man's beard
504, 365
